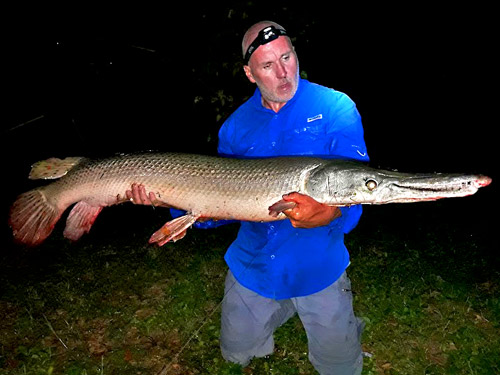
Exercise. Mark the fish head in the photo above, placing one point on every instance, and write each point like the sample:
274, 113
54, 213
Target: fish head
344, 183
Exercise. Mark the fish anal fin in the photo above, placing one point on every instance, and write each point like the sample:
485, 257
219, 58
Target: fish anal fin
280, 206
173, 230
80, 220
52, 168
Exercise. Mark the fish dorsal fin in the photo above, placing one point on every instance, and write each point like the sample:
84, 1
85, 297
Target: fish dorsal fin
52, 168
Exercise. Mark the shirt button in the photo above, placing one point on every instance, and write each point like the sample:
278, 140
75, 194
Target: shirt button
273, 256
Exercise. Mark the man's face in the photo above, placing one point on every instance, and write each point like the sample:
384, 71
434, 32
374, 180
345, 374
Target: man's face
274, 68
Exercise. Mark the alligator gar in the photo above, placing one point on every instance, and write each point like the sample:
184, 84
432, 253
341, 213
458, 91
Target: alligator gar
213, 187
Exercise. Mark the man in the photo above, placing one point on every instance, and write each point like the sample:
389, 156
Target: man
298, 265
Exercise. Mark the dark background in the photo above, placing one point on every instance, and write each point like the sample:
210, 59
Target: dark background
93, 81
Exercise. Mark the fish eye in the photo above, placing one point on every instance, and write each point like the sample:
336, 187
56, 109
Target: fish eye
371, 185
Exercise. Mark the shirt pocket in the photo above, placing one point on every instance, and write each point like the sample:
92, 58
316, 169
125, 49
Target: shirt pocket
306, 138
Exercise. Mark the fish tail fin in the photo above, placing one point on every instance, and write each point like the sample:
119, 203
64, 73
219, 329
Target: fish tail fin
33, 217
52, 168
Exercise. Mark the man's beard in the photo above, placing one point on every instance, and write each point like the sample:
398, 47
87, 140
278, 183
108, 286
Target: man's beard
272, 97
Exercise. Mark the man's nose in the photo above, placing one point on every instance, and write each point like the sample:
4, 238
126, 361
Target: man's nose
280, 70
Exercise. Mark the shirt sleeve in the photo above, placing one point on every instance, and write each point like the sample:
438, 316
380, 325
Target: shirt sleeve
346, 130
347, 140
224, 145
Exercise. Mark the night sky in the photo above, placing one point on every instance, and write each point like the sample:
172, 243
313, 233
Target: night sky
89, 81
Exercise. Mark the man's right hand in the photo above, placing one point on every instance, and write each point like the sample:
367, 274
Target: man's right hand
138, 195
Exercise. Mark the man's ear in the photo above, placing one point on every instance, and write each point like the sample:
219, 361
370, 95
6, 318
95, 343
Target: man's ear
248, 73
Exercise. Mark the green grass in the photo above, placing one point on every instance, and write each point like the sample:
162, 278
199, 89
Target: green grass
426, 282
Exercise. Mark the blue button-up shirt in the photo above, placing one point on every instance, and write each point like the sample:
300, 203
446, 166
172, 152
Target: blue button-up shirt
275, 259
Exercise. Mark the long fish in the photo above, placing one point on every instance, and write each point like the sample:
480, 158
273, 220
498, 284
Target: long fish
213, 187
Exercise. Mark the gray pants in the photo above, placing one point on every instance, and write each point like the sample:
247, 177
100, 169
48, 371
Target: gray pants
333, 332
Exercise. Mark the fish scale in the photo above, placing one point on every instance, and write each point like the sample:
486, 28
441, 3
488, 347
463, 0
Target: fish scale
212, 187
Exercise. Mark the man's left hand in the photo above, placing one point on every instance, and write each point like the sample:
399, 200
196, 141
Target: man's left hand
309, 213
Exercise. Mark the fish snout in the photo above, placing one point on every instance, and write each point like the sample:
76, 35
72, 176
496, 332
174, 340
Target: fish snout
483, 181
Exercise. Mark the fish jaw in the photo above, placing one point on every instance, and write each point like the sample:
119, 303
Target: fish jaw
429, 188
347, 183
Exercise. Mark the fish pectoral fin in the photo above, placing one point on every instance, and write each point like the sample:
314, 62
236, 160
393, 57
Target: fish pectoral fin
173, 230
80, 220
280, 206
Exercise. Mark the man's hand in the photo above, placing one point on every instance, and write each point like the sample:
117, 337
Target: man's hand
138, 195
309, 213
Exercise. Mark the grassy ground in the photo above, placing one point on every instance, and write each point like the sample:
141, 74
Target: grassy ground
425, 278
